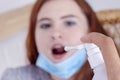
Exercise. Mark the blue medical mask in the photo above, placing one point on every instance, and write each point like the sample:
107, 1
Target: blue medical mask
65, 69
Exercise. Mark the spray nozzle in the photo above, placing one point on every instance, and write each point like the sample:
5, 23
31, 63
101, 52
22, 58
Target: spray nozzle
88, 46
67, 48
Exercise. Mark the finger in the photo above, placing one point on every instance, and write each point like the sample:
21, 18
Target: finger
94, 37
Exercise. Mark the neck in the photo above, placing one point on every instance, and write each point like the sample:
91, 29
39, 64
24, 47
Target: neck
56, 78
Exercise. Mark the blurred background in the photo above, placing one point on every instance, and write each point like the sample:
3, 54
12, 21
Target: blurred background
14, 23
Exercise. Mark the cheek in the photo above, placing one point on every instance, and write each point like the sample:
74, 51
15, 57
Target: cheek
74, 39
74, 36
41, 41
38, 43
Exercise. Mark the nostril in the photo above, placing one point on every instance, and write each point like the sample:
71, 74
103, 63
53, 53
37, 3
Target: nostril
56, 36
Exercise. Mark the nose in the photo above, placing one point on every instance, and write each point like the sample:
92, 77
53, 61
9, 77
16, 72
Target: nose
57, 35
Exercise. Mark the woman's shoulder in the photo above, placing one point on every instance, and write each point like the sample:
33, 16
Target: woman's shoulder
29, 72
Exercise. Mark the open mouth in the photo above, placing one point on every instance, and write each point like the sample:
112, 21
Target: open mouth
58, 50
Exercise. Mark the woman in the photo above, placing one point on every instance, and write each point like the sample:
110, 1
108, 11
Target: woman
55, 24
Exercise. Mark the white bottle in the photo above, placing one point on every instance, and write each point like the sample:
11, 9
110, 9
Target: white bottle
95, 60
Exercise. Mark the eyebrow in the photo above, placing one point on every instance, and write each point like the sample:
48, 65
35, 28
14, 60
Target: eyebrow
69, 16
42, 19
63, 17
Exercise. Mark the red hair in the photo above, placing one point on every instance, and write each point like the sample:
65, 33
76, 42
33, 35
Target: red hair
94, 25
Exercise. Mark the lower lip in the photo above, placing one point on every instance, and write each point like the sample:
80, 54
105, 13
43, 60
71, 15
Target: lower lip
59, 57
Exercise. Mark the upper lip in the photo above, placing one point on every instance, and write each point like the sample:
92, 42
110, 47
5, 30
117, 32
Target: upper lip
57, 44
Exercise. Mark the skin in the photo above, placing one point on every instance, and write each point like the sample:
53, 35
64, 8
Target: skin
59, 31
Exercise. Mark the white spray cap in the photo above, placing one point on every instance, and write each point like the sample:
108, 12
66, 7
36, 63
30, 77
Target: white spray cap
67, 48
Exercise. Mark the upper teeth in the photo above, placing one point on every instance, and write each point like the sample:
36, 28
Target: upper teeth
58, 46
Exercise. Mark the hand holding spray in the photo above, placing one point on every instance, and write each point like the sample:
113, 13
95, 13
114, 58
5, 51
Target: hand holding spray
95, 59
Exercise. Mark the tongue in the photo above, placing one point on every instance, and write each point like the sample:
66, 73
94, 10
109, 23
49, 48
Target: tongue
58, 51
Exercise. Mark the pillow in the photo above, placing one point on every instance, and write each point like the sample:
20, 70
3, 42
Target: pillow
110, 20
13, 52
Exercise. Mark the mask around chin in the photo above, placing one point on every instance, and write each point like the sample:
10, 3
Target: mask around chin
65, 69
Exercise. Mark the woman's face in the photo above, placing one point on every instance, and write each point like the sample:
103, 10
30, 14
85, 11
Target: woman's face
60, 23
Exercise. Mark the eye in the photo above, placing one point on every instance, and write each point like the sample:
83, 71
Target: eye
70, 23
45, 26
